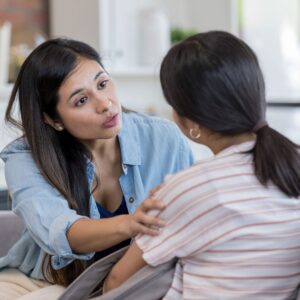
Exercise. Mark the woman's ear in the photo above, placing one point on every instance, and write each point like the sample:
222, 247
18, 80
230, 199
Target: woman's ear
54, 124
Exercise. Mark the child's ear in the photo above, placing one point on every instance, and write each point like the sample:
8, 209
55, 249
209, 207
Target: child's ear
183, 122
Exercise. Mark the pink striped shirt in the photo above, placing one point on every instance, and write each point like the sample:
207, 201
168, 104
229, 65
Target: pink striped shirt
235, 239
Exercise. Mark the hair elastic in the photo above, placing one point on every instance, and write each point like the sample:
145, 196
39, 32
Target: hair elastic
259, 126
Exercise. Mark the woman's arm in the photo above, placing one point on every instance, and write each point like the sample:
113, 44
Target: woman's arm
56, 228
130, 263
90, 235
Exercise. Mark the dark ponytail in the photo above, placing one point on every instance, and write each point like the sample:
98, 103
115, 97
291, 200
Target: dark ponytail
277, 160
214, 79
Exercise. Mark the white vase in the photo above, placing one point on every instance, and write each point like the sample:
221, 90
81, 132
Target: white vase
154, 36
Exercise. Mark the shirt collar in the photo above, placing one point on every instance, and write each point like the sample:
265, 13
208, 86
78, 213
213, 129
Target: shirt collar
129, 144
239, 148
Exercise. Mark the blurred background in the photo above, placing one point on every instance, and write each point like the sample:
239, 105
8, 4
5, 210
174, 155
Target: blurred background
133, 36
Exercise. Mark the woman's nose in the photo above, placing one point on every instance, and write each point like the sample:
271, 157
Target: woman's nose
103, 105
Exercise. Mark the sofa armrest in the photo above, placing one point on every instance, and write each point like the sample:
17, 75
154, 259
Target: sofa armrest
11, 229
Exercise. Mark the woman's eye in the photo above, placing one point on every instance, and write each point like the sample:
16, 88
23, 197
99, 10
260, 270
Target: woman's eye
81, 101
102, 84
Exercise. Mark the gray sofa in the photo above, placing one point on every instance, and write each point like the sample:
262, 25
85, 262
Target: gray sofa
11, 228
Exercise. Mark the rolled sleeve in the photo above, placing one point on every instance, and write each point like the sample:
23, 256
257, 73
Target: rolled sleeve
58, 239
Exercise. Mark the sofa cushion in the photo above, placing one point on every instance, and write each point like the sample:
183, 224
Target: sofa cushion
11, 229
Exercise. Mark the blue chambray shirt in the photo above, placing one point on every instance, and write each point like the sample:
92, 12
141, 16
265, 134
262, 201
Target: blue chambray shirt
151, 148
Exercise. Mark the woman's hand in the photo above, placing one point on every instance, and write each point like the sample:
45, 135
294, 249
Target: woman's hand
141, 221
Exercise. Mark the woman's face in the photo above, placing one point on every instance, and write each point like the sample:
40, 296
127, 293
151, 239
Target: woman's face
88, 106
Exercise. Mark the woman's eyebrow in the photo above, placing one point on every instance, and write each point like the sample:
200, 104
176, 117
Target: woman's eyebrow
81, 89
98, 74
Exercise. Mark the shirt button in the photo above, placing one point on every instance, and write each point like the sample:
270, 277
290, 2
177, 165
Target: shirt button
131, 200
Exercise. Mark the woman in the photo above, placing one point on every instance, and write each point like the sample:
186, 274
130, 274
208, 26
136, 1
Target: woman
233, 220
79, 174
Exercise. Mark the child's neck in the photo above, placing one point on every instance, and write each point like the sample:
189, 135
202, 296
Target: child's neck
217, 144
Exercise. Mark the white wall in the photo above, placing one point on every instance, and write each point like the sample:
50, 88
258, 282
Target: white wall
74, 18
212, 15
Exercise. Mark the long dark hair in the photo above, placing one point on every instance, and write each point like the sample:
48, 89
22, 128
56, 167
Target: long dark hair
214, 79
59, 156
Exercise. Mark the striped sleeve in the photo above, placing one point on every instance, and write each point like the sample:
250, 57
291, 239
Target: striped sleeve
195, 220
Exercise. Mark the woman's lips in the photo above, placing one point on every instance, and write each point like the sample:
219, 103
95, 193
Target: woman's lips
111, 121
